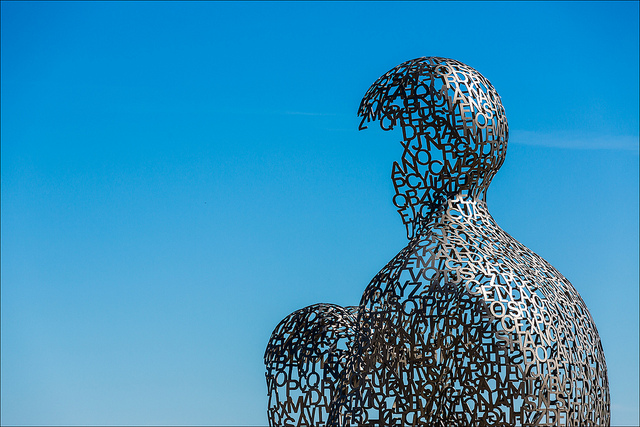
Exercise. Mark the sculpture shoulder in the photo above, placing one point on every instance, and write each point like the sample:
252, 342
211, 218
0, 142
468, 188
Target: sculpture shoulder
468, 269
466, 251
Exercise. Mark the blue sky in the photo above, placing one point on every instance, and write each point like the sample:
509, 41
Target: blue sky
178, 177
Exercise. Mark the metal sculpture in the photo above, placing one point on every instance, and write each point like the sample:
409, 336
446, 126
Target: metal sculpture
465, 326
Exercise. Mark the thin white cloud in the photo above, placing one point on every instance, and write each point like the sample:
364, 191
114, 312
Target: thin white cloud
577, 141
303, 113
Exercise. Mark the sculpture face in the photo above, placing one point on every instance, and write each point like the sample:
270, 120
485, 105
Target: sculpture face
454, 132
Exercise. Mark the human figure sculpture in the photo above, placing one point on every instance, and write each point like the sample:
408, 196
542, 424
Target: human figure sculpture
465, 326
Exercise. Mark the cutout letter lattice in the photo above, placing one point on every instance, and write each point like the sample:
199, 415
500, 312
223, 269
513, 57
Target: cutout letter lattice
465, 326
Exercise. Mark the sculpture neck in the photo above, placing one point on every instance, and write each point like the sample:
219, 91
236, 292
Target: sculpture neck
461, 207
422, 207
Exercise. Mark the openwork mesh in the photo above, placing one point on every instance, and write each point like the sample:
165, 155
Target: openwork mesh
465, 326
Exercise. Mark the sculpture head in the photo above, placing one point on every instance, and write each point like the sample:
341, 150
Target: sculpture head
454, 132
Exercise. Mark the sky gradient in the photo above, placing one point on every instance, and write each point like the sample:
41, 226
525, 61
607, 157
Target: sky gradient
176, 178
